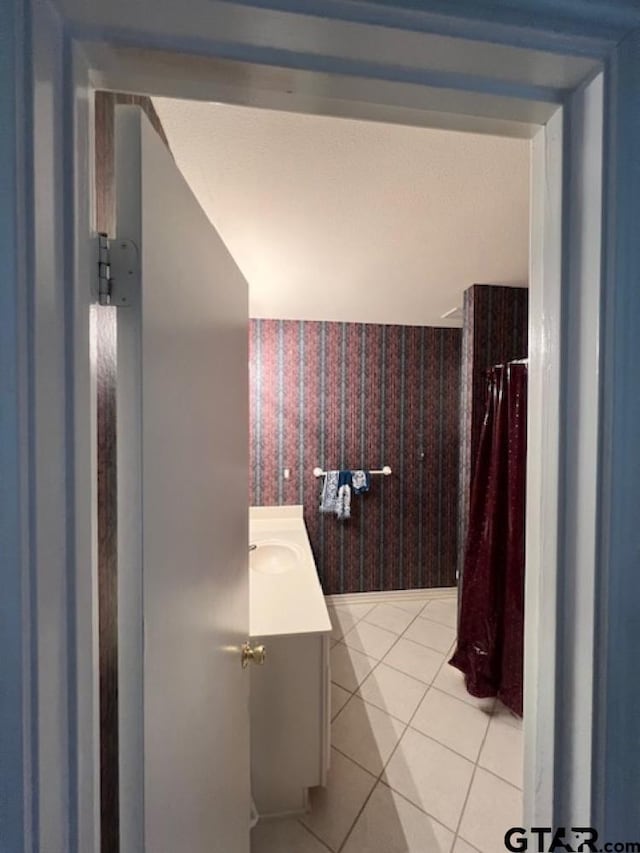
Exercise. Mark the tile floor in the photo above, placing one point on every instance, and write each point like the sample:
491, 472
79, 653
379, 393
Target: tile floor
417, 765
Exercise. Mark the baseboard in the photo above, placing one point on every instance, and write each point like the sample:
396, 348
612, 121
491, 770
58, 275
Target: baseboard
391, 595
288, 814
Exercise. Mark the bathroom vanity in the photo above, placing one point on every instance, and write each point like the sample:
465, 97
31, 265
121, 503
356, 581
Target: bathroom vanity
290, 694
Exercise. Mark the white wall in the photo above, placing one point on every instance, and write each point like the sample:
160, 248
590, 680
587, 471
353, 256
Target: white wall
338, 219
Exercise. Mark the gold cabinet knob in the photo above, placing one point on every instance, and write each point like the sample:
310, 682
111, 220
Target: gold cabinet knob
256, 654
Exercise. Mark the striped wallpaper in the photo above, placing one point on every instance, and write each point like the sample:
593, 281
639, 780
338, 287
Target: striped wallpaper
351, 395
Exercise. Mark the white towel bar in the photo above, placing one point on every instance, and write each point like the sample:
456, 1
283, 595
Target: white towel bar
384, 471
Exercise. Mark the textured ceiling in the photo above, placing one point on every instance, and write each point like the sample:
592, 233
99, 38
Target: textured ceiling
336, 219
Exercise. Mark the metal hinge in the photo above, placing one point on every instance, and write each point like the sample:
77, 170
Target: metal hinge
118, 271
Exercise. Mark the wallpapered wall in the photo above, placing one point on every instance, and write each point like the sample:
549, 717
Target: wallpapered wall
350, 395
496, 324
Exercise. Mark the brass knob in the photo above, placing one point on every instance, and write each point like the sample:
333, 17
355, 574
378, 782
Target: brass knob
256, 654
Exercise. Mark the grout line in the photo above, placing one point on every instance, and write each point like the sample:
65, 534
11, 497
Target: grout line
473, 776
378, 779
497, 776
435, 621
471, 846
384, 710
420, 809
444, 745
313, 835
393, 751
368, 797
402, 672
427, 687
398, 636
381, 660
489, 713
357, 763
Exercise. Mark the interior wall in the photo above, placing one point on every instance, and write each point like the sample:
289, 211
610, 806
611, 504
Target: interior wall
355, 395
495, 329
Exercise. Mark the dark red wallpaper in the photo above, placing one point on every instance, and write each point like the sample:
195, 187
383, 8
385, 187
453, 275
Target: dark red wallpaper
351, 395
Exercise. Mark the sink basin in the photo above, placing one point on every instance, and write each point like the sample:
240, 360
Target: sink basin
274, 558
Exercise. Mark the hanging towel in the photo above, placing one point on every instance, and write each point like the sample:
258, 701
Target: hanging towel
343, 508
360, 481
329, 501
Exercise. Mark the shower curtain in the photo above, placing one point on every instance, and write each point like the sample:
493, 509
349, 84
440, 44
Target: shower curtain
490, 642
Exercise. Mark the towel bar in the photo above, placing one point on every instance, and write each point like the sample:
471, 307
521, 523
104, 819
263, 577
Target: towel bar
384, 471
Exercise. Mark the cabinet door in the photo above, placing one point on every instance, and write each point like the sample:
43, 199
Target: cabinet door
289, 723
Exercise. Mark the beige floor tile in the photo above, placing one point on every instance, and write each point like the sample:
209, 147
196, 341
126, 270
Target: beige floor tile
334, 808
414, 659
341, 622
502, 752
366, 734
392, 691
390, 824
451, 681
431, 776
461, 846
339, 698
411, 605
431, 634
493, 807
284, 836
507, 715
444, 610
450, 721
357, 610
349, 667
390, 617
370, 640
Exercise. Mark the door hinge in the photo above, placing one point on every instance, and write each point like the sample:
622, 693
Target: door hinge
118, 271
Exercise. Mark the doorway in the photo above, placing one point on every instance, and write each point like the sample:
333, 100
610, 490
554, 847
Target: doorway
403, 342
552, 272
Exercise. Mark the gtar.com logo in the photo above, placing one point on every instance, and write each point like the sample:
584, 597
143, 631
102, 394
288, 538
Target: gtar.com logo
572, 839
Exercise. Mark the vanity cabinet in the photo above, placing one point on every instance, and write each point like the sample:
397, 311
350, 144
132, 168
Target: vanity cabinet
290, 694
290, 722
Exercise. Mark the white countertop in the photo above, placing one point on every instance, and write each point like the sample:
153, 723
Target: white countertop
291, 602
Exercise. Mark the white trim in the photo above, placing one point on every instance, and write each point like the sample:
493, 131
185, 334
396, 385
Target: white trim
390, 596
293, 38
543, 447
330, 93
82, 361
22, 427
579, 475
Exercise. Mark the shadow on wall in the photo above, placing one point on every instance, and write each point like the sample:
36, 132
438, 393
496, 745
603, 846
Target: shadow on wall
352, 395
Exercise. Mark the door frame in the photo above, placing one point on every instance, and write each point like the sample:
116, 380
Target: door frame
50, 721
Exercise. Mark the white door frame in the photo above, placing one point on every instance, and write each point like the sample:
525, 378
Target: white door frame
586, 496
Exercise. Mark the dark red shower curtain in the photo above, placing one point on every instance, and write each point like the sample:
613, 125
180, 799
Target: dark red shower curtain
490, 643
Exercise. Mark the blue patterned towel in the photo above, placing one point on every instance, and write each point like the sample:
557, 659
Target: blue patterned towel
360, 481
343, 509
329, 502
